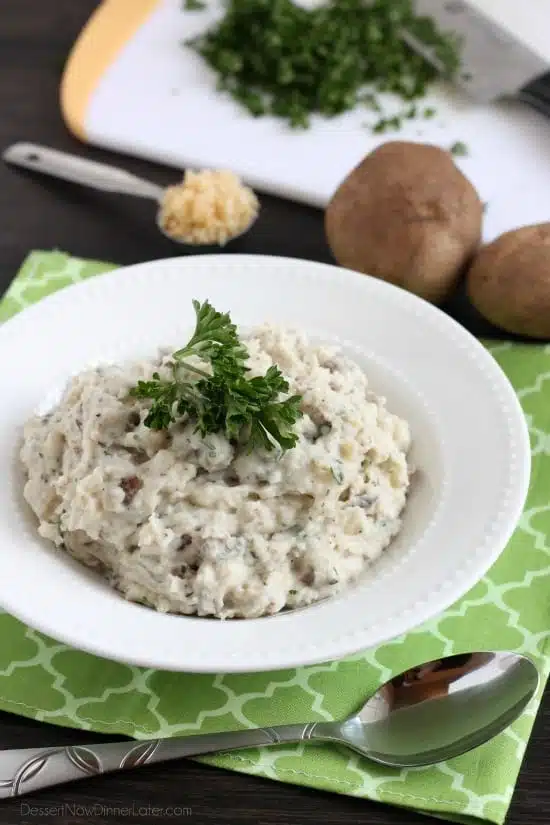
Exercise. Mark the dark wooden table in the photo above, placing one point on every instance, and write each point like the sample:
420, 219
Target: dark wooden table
40, 213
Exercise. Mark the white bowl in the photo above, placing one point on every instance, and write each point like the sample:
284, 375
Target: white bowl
470, 445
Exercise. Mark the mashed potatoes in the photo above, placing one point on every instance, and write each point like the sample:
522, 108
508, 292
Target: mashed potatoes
196, 525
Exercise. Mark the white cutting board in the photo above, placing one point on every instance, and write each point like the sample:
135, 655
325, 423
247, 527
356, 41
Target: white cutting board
130, 86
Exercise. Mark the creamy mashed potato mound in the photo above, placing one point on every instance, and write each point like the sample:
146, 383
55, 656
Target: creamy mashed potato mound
200, 526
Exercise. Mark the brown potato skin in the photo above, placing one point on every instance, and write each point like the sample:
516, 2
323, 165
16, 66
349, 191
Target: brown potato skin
509, 281
406, 214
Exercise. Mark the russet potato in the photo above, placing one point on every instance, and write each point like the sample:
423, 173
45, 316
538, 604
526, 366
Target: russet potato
408, 215
509, 281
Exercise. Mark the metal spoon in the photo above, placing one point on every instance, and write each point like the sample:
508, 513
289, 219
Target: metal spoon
90, 173
428, 714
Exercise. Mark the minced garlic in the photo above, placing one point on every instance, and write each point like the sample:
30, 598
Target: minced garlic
208, 207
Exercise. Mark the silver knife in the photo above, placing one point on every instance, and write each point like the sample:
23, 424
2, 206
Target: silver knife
494, 63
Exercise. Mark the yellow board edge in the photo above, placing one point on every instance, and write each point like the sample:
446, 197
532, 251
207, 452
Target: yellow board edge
107, 31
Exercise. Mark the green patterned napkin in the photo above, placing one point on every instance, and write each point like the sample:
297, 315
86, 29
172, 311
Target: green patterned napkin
508, 609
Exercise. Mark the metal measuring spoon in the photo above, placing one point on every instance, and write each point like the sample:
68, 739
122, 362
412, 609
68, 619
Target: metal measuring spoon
428, 714
95, 175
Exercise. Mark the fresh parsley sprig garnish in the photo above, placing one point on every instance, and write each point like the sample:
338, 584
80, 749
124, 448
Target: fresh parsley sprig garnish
221, 398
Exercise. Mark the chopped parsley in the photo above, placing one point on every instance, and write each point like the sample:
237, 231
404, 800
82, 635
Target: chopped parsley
459, 149
276, 58
218, 395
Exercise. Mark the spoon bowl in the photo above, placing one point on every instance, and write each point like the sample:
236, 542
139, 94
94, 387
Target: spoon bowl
100, 176
430, 713
441, 709
204, 248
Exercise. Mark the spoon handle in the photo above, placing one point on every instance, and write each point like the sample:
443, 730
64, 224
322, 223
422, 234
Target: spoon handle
25, 770
79, 170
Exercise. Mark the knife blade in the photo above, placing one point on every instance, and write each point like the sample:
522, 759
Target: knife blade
494, 62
